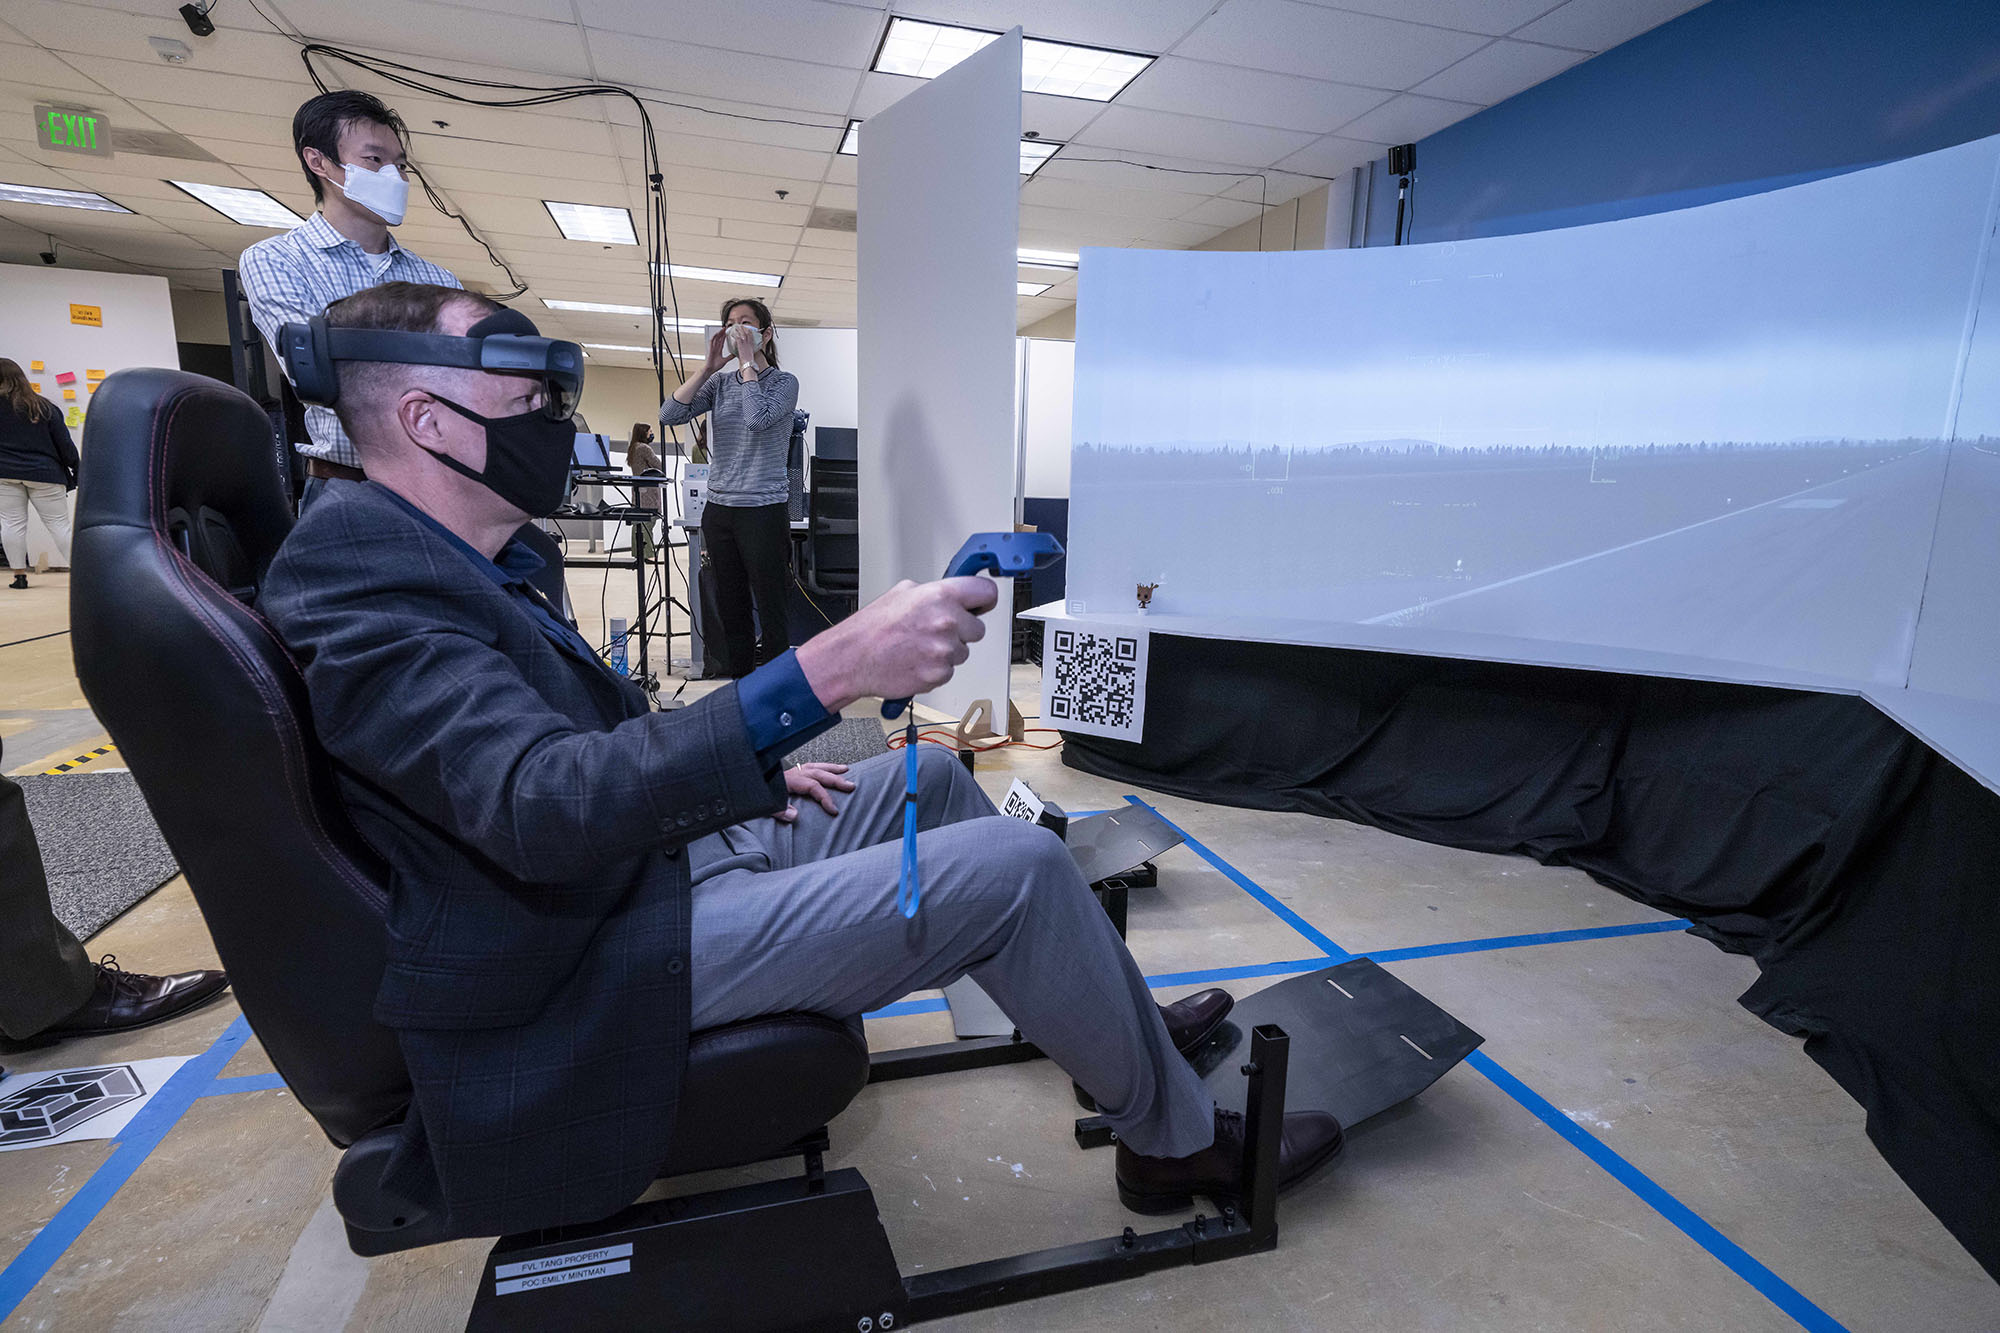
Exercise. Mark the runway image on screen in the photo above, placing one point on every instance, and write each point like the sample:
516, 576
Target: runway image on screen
1725, 434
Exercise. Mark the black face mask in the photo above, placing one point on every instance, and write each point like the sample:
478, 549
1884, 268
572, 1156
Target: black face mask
527, 458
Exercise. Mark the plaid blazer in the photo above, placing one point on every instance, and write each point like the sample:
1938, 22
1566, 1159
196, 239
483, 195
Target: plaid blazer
533, 812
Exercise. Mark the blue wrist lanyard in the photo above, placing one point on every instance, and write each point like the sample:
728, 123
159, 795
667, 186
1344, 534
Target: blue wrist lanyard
1004, 554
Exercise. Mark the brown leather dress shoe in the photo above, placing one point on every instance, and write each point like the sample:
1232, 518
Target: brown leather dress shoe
1190, 1021
126, 1000
1169, 1184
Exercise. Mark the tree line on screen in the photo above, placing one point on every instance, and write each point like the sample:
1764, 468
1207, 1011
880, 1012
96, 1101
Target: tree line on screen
1239, 460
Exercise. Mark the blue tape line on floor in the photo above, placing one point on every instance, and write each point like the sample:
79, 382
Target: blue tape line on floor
1522, 941
133, 1147
222, 1087
1250, 886
1774, 1288
1768, 1284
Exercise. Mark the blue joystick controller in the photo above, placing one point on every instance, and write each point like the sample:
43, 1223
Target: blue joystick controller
1010, 555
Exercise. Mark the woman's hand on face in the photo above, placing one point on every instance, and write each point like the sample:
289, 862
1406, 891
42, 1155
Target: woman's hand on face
718, 349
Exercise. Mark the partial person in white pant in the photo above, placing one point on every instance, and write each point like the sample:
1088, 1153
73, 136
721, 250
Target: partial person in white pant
38, 464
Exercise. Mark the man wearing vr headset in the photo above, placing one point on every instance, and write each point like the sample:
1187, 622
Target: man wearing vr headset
579, 882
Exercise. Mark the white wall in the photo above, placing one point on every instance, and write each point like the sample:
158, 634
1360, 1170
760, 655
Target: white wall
825, 362
939, 214
1045, 424
138, 330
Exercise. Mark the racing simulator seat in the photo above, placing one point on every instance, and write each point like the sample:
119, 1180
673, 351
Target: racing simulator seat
182, 508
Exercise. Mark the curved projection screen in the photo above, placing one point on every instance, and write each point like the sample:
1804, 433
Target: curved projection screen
1758, 439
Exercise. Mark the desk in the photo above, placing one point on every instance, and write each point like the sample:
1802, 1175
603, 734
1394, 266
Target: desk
693, 531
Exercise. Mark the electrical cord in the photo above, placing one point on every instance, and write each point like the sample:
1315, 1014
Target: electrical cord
661, 291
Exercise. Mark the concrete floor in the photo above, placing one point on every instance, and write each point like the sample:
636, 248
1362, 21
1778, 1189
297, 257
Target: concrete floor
1463, 1210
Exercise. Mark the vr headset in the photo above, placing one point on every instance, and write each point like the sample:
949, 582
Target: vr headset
506, 342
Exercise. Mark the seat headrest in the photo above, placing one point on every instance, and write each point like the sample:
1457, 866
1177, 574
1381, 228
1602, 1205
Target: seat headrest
211, 479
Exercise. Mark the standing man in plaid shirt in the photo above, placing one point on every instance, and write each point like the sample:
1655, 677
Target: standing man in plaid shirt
353, 143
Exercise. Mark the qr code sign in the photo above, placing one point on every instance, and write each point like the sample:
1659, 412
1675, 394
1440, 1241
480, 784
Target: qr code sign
1094, 681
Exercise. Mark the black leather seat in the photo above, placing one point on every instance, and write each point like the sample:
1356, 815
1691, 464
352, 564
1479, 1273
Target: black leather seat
181, 509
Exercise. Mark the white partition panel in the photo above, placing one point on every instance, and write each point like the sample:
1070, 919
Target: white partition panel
939, 206
46, 316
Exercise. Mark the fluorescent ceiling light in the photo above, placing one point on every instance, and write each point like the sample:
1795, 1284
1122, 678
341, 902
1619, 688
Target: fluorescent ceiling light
1045, 258
695, 273
618, 347
597, 307
1032, 288
252, 208
1034, 152
1059, 69
611, 308
592, 222
36, 194
926, 50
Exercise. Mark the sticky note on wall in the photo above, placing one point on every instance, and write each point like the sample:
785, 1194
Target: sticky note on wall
35, 385
67, 377
69, 395
93, 388
93, 374
34, 365
90, 315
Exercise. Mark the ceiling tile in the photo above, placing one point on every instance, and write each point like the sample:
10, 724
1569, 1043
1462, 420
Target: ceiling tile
1051, 117
528, 45
1330, 44
1229, 92
1495, 73
699, 73
1163, 132
1406, 118
835, 34
1335, 156
1599, 25
191, 87
1221, 212
768, 232
1059, 193
1493, 17
1150, 27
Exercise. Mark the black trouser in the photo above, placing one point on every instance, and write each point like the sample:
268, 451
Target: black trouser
750, 558
44, 974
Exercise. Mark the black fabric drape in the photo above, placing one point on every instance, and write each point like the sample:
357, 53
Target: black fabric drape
1859, 869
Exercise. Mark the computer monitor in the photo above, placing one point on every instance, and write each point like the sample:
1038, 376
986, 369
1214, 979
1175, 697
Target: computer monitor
834, 442
591, 453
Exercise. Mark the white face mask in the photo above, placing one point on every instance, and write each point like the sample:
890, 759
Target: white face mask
384, 193
756, 338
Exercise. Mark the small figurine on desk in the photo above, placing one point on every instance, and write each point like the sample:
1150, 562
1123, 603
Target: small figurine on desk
1146, 591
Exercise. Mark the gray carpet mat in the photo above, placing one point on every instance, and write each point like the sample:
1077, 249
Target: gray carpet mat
102, 851
849, 742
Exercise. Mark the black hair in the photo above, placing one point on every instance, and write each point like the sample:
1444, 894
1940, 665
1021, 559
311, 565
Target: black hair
763, 314
318, 123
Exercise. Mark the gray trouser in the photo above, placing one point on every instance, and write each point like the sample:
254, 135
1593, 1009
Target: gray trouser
44, 974
804, 917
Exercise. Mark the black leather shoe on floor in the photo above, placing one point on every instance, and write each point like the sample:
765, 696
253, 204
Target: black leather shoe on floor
125, 1000
1169, 1184
1190, 1021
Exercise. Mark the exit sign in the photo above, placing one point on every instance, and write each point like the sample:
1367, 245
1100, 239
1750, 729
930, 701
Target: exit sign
70, 130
